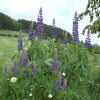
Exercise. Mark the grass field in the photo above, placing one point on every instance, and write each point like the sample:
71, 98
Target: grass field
8, 45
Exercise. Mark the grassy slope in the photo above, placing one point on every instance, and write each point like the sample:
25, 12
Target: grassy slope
11, 33
7, 47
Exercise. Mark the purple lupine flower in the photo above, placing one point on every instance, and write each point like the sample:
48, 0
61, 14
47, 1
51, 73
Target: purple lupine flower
5, 69
53, 30
40, 24
15, 68
24, 59
25, 74
88, 40
75, 29
65, 85
33, 70
31, 32
59, 50
20, 42
55, 64
58, 83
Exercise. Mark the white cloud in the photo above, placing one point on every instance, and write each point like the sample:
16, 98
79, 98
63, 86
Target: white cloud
62, 10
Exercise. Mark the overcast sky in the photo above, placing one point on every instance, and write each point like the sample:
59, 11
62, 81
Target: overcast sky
62, 10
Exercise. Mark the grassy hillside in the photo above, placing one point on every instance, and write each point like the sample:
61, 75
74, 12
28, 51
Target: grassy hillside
8, 45
9, 33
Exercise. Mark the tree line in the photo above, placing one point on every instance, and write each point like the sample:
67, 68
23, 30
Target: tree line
7, 22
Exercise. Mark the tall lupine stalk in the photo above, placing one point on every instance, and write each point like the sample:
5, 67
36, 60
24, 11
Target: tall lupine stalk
31, 32
24, 59
75, 29
65, 85
33, 70
58, 83
20, 42
40, 24
88, 40
53, 30
5, 69
55, 64
15, 68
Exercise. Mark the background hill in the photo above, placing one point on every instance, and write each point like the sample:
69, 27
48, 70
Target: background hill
8, 23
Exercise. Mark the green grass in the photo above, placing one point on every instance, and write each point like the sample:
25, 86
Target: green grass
8, 33
11, 33
8, 45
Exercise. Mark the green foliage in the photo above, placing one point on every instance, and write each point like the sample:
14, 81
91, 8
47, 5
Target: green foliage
16, 26
92, 10
95, 27
5, 21
74, 61
93, 83
95, 49
26, 24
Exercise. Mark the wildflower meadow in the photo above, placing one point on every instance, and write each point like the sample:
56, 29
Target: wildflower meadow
44, 69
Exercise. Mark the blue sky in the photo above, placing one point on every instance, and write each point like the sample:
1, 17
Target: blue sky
62, 10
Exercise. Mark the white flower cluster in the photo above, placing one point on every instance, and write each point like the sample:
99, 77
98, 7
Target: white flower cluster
30, 94
64, 74
13, 79
50, 96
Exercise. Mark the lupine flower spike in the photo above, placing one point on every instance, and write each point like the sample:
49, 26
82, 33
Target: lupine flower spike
24, 59
55, 64
75, 30
15, 68
53, 30
5, 69
40, 24
20, 42
31, 32
58, 83
88, 40
33, 70
65, 85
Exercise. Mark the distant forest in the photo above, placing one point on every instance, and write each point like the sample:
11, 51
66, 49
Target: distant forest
7, 22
